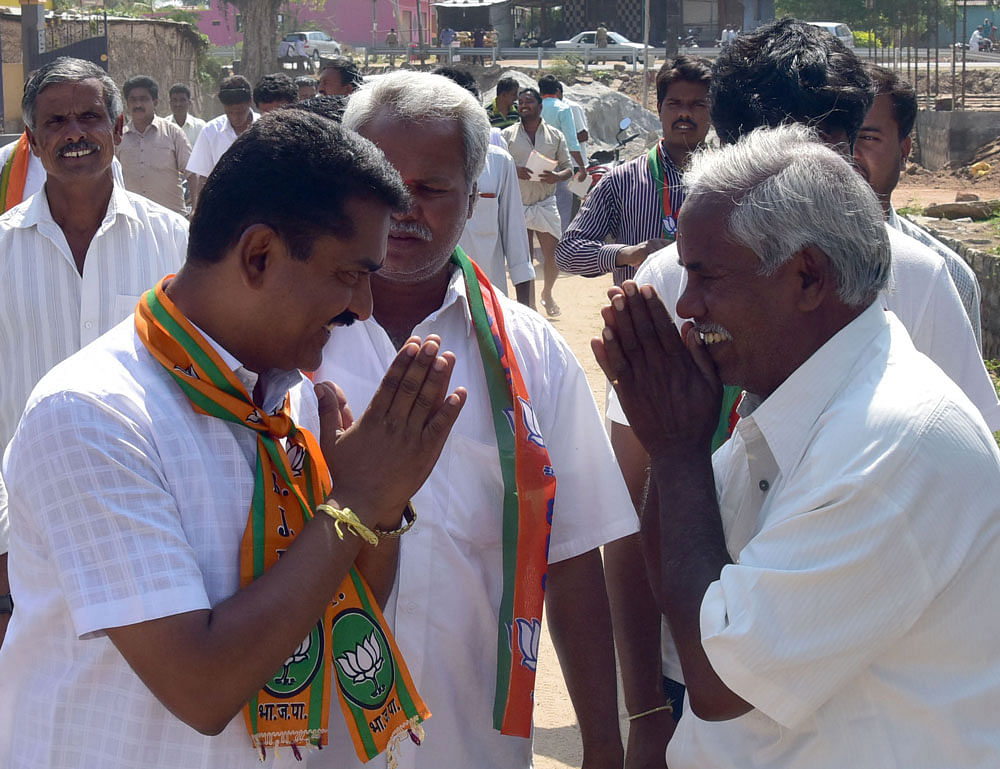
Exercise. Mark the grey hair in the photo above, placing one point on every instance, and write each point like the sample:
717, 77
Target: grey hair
786, 190
419, 97
68, 70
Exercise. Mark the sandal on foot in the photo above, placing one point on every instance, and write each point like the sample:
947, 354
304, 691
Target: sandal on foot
551, 308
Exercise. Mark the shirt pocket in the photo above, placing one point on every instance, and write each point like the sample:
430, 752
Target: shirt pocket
475, 493
124, 306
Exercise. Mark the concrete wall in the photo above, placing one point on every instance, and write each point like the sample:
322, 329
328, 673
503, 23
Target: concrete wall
987, 269
167, 51
953, 137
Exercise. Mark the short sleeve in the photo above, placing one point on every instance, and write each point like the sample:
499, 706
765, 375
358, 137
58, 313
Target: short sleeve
86, 490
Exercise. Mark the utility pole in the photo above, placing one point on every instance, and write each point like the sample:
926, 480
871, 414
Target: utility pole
673, 30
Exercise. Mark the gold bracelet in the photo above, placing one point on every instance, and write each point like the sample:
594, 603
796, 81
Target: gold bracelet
668, 707
410, 518
350, 519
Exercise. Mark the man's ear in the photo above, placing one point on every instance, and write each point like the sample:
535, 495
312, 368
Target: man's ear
815, 277
119, 129
256, 251
31, 142
904, 149
472, 199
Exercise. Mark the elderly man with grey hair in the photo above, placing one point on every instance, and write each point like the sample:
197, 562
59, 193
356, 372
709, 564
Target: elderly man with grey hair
826, 611
526, 489
76, 255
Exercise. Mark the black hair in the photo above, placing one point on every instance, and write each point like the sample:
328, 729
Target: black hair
348, 70
312, 168
549, 85
141, 81
235, 90
788, 71
461, 76
533, 91
277, 87
689, 69
506, 85
900, 93
330, 107
179, 88
66, 69
302, 80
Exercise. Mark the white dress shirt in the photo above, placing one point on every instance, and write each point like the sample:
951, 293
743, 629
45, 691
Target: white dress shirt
962, 275
496, 236
861, 506
126, 506
215, 138
192, 127
922, 295
445, 604
48, 310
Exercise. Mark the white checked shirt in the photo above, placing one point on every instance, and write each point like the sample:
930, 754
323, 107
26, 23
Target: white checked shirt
192, 127
215, 138
861, 506
126, 506
48, 310
445, 603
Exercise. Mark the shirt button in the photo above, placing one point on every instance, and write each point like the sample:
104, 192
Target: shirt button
88, 324
411, 607
764, 485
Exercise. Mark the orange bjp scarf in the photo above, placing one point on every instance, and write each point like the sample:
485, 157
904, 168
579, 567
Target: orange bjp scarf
376, 693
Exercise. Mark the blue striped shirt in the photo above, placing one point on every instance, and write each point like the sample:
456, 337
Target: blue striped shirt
624, 207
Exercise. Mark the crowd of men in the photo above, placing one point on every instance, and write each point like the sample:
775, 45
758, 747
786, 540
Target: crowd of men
286, 469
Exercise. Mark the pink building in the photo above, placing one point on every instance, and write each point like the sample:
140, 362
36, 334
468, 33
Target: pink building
347, 21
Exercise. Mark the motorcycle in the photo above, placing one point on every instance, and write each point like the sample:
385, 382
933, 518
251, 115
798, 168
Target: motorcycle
602, 161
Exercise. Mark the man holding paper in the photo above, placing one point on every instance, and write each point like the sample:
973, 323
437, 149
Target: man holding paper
542, 159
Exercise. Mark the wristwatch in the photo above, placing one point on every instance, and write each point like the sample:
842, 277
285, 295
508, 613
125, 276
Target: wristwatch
6, 604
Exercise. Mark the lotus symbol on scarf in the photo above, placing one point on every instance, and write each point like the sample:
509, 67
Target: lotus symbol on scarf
301, 654
529, 633
363, 663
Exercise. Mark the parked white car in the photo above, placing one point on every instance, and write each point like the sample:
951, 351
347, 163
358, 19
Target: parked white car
619, 46
840, 31
318, 44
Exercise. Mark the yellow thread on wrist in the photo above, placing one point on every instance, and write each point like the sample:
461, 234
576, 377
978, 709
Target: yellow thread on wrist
669, 708
350, 519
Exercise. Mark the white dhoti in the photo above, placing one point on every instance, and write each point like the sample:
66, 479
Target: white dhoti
543, 216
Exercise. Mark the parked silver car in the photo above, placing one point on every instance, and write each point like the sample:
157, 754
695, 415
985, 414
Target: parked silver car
318, 44
585, 43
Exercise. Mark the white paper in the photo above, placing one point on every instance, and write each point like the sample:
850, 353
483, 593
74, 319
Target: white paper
578, 188
537, 164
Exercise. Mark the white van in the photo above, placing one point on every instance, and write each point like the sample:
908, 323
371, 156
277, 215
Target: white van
840, 31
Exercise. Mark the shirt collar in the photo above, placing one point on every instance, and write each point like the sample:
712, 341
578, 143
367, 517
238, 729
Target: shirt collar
36, 211
153, 126
893, 218
787, 417
276, 382
456, 294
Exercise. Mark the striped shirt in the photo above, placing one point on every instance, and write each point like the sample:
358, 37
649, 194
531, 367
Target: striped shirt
48, 310
625, 206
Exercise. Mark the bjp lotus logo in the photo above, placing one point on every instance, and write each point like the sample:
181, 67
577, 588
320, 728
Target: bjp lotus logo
529, 633
299, 669
363, 663
365, 672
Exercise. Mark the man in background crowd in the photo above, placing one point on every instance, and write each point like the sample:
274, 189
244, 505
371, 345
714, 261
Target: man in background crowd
274, 91
76, 256
153, 151
219, 133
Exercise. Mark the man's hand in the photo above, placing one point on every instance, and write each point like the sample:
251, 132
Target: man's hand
636, 255
523, 173
582, 135
379, 461
554, 177
669, 388
581, 174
